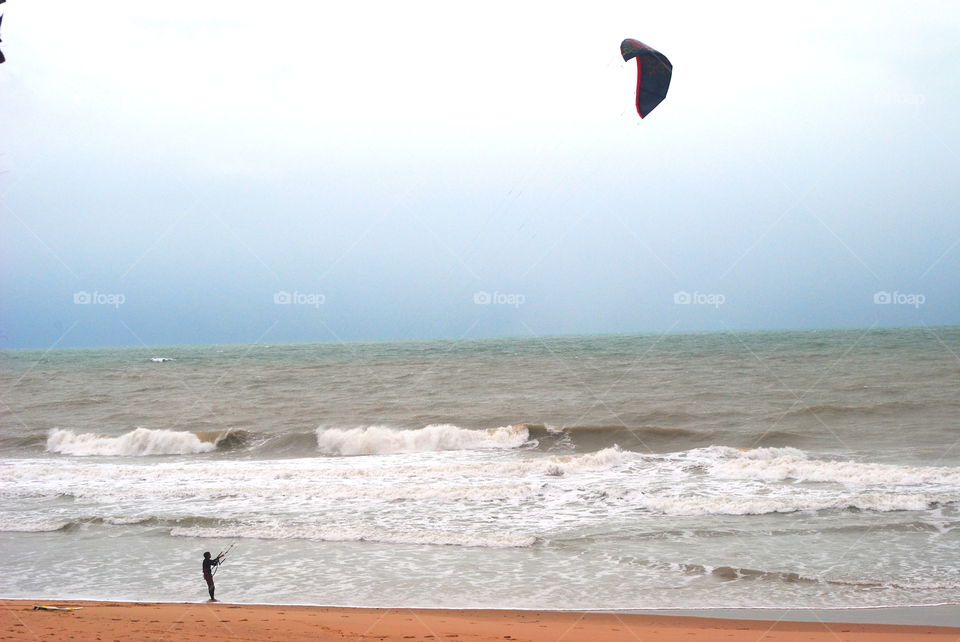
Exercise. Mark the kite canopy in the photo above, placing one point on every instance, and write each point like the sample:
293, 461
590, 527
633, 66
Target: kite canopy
653, 74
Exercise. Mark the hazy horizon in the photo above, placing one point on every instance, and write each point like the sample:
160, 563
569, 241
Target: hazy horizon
505, 337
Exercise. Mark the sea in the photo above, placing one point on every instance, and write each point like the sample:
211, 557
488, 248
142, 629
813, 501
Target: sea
803, 469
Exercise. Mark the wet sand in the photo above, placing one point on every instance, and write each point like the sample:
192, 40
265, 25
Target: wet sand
220, 621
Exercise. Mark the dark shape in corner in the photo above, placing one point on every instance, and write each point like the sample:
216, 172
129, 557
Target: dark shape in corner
653, 74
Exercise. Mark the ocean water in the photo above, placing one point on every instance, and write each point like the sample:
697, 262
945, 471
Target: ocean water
773, 469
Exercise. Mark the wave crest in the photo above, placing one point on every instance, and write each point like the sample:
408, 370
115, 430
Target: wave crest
139, 442
382, 440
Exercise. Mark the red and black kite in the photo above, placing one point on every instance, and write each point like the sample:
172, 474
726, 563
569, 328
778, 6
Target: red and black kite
653, 74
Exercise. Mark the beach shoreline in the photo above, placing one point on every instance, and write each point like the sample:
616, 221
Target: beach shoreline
225, 621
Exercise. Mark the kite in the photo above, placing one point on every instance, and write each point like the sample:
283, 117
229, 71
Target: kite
653, 74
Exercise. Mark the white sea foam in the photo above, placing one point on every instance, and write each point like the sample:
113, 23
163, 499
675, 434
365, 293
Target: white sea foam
551, 466
381, 440
136, 443
846, 472
160, 359
760, 505
774, 464
600, 460
364, 534
427, 491
722, 453
507, 478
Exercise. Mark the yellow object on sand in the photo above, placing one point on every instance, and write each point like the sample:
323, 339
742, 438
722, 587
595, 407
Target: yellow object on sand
44, 607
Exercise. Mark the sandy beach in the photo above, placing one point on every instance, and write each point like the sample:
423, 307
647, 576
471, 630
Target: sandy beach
202, 621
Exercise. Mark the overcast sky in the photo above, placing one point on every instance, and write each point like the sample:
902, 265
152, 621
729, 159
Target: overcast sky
232, 172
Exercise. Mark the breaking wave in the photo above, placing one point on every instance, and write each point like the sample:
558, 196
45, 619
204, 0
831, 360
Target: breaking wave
339, 440
381, 440
140, 442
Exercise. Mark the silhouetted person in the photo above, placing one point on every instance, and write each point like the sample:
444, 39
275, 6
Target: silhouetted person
208, 564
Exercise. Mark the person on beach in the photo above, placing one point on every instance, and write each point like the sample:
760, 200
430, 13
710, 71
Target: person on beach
208, 564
